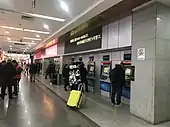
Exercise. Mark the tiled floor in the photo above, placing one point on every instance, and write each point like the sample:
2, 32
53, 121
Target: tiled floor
101, 112
38, 107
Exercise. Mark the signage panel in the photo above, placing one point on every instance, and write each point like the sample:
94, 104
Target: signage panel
87, 41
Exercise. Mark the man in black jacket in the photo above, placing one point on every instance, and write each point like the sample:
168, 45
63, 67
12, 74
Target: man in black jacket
83, 74
8, 71
66, 76
117, 77
32, 71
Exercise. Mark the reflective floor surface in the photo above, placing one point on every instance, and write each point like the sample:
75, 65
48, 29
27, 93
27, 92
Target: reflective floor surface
38, 107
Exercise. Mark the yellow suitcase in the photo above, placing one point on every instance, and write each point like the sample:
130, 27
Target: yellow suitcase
75, 99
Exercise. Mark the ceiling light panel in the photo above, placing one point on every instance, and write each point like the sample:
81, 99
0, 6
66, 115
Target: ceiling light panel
45, 17
64, 5
23, 29
29, 38
21, 42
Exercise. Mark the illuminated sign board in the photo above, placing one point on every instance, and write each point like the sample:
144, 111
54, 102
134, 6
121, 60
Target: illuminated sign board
87, 41
51, 43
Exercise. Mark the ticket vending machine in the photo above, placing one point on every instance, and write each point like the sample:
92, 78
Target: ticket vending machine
105, 85
129, 75
91, 73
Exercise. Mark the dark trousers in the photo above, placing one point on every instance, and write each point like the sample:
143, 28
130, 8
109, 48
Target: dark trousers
66, 82
3, 89
32, 77
86, 84
116, 92
16, 86
48, 74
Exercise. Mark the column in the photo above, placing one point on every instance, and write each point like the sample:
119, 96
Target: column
150, 95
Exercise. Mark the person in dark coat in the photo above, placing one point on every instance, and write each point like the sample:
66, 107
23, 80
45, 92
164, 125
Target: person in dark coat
117, 77
32, 71
83, 74
66, 76
8, 71
17, 77
50, 71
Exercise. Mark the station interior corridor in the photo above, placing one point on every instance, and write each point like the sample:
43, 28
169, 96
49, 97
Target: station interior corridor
38, 107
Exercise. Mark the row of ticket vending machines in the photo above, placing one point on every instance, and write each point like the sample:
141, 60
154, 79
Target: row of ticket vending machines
105, 84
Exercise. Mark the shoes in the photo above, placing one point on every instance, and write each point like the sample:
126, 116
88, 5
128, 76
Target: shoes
10, 98
15, 95
65, 89
34, 81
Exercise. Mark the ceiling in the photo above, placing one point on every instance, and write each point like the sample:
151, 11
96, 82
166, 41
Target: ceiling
74, 12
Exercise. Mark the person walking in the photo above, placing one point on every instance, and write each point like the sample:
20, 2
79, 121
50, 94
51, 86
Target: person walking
50, 71
117, 77
17, 77
8, 73
66, 76
32, 71
83, 74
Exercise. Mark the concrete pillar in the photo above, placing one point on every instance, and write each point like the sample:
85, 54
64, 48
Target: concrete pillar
150, 96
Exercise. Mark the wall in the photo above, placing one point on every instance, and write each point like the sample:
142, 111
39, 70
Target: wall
142, 89
117, 34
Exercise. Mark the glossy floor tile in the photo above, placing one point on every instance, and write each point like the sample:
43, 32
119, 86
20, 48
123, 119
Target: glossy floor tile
37, 107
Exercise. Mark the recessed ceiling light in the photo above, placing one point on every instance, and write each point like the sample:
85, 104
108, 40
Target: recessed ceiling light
7, 32
24, 29
37, 35
9, 39
46, 26
29, 45
10, 46
45, 17
64, 6
29, 38
33, 41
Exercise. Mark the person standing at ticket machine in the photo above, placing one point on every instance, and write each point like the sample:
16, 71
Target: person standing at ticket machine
117, 77
83, 74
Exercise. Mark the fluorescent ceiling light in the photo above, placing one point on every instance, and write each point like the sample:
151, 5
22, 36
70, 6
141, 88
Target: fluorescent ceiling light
36, 31
7, 32
64, 6
21, 42
29, 38
45, 17
9, 39
46, 26
37, 35
23, 29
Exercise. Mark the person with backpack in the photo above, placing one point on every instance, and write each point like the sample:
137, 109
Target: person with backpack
117, 77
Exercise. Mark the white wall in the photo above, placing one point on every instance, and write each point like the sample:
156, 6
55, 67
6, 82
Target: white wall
117, 34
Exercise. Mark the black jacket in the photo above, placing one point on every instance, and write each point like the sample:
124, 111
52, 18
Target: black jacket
117, 75
51, 68
33, 69
8, 73
83, 73
66, 72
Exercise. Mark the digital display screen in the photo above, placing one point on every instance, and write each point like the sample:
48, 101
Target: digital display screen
106, 70
87, 41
